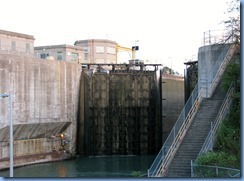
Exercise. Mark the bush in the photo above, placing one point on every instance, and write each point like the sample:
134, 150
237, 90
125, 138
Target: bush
222, 159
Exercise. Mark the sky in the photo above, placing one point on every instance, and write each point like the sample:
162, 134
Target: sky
167, 32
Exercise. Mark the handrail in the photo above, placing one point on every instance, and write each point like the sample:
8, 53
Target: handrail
219, 36
218, 170
183, 122
225, 107
177, 132
220, 67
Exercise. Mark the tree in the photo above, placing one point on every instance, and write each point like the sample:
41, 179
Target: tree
168, 70
227, 150
233, 22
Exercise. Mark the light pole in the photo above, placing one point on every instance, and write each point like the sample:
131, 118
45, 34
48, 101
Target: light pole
11, 142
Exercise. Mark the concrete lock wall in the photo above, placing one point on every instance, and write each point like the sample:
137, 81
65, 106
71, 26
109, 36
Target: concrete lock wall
207, 58
45, 97
172, 101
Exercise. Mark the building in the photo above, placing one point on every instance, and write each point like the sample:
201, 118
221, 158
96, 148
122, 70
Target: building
13, 42
60, 52
98, 50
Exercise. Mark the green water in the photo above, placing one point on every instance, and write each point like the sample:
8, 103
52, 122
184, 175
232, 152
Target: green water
88, 167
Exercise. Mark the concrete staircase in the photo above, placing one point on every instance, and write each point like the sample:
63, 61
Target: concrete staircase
196, 135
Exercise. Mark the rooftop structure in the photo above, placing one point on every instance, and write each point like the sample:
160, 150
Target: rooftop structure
60, 52
98, 50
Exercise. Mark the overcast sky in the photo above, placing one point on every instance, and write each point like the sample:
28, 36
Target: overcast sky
169, 31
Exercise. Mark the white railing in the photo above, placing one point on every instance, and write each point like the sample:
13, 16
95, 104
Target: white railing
208, 171
170, 146
176, 135
224, 110
223, 36
220, 66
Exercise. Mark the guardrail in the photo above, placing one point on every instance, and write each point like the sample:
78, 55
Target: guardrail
213, 171
224, 110
170, 146
176, 134
223, 36
220, 66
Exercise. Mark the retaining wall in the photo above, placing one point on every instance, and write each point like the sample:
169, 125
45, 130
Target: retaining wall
45, 97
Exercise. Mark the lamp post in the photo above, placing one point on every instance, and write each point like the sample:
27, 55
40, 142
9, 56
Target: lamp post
11, 142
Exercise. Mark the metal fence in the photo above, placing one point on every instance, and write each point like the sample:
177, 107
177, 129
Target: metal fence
223, 36
207, 171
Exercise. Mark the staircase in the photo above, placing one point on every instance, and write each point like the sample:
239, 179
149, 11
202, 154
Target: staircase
191, 129
192, 142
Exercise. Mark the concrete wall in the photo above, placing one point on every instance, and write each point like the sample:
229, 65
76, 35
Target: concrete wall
208, 56
45, 100
172, 101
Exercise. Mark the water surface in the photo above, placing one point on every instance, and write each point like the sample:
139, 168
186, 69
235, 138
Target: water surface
102, 167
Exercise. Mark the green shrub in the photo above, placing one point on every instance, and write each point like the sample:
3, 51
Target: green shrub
221, 159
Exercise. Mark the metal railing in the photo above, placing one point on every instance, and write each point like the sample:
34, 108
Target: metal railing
176, 134
213, 171
220, 66
224, 110
208, 171
223, 36
170, 146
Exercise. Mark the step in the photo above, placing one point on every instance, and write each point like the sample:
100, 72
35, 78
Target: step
196, 135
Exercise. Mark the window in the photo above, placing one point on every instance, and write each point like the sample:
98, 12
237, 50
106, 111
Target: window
74, 56
85, 50
27, 46
13, 45
59, 55
44, 55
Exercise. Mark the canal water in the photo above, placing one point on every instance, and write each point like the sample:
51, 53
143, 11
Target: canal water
88, 167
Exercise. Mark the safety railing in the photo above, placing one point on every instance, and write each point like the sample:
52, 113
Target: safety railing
224, 110
220, 66
211, 37
176, 134
208, 171
170, 146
